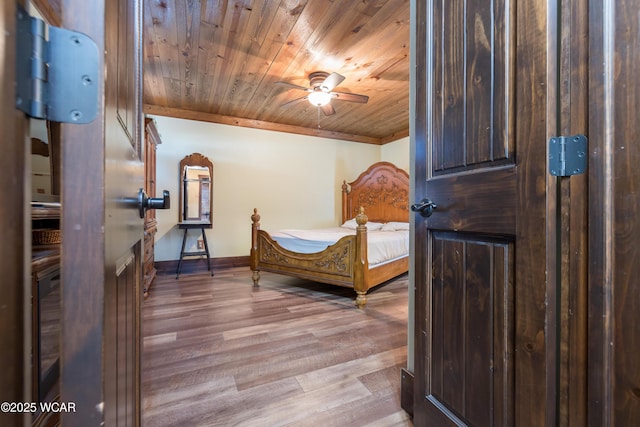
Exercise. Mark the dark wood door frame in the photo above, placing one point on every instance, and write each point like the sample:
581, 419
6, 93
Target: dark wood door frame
83, 264
568, 298
16, 248
614, 207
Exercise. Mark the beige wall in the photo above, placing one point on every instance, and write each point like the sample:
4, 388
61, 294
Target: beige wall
396, 152
293, 180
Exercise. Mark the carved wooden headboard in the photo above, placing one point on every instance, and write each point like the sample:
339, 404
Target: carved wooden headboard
383, 192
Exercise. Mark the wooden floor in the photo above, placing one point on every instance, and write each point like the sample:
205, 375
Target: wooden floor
218, 352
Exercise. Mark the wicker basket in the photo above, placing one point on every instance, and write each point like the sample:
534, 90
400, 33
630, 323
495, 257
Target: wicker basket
45, 236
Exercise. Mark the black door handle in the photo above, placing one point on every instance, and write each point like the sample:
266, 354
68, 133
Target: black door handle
145, 202
425, 207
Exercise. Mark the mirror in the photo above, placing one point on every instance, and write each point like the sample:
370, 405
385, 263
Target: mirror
196, 189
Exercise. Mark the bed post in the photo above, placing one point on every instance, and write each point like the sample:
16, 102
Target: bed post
253, 256
345, 208
361, 265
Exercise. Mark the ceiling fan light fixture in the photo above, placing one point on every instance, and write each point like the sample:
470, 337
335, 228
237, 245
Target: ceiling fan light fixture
319, 98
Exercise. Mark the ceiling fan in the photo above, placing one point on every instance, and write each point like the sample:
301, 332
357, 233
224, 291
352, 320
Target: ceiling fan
321, 85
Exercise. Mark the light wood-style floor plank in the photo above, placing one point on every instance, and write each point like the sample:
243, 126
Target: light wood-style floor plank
219, 352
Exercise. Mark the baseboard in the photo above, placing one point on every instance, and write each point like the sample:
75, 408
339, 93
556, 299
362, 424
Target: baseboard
406, 391
200, 264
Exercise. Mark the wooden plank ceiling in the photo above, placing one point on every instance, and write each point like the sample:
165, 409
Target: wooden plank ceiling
219, 61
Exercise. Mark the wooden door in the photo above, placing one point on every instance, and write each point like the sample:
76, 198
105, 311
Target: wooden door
102, 228
484, 265
15, 248
614, 214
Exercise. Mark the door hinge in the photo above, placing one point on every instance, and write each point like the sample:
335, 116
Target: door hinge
57, 76
567, 155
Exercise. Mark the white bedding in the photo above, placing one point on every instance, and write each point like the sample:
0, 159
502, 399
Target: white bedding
383, 246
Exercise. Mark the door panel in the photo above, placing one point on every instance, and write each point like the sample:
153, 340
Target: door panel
472, 327
124, 177
102, 228
120, 336
481, 257
469, 83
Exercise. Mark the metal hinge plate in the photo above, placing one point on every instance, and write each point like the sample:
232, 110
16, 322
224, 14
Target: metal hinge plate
567, 155
57, 79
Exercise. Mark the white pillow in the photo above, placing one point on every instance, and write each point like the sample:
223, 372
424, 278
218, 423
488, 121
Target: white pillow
395, 226
374, 226
371, 226
352, 224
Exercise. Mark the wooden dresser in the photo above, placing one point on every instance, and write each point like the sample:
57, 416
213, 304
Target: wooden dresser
151, 141
45, 310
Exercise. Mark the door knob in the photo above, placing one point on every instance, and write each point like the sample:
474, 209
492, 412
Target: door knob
425, 207
145, 202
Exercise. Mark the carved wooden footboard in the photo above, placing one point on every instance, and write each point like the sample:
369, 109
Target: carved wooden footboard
343, 263
383, 191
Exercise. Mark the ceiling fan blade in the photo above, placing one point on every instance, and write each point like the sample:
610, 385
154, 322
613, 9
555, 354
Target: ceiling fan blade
292, 86
333, 80
352, 97
328, 110
295, 101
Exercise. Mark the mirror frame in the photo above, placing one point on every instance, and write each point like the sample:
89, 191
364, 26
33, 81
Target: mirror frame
195, 159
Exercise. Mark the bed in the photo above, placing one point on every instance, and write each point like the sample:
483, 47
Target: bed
374, 206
